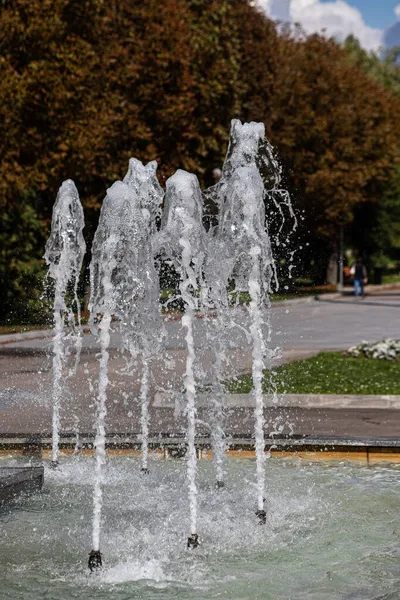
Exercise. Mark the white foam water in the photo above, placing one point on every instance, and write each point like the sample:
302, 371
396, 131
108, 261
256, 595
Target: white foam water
234, 257
141, 323
113, 283
181, 240
241, 251
64, 254
317, 544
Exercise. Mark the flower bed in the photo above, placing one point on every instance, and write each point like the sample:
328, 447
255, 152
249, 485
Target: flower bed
387, 349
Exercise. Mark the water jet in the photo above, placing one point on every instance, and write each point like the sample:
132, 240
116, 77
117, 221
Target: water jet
212, 267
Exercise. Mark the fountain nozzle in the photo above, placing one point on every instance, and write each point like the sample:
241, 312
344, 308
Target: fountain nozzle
262, 515
95, 561
220, 485
193, 541
54, 464
145, 471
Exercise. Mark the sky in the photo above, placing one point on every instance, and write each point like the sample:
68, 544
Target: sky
375, 23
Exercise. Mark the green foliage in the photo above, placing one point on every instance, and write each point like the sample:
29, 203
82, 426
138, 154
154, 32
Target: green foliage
335, 128
384, 67
329, 373
21, 268
87, 85
376, 227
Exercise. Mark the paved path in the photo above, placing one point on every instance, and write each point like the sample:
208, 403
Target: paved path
310, 325
301, 329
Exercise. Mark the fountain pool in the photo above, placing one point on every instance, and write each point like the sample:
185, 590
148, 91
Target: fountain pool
321, 531
332, 533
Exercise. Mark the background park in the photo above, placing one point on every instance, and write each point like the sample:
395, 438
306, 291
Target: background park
296, 416
85, 86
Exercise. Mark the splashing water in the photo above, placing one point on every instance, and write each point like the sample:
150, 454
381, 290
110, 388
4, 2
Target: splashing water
242, 247
215, 298
143, 180
218, 438
181, 239
114, 282
234, 257
142, 326
64, 254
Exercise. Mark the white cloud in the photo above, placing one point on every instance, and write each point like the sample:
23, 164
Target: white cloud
280, 9
338, 18
397, 11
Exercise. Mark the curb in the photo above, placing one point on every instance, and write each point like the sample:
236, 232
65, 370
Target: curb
39, 334
303, 401
176, 444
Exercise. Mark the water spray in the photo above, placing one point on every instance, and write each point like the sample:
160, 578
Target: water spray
64, 254
241, 252
111, 284
141, 324
181, 239
236, 253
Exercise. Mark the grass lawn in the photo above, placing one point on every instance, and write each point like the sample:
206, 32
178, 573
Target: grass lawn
5, 329
329, 373
391, 278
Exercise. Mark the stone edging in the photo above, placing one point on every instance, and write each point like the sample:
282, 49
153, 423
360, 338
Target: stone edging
321, 401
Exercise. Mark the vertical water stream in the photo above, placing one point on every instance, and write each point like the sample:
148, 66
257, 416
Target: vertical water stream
233, 258
181, 240
64, 254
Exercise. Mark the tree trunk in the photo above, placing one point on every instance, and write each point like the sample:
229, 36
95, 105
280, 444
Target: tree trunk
332, 269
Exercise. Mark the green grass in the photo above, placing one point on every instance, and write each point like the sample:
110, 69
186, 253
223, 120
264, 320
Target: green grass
244, 297
290, 296
391, 278
5, 329
329, 373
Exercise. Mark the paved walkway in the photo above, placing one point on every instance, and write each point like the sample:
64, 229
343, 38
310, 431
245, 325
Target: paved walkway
301, 329
329, 323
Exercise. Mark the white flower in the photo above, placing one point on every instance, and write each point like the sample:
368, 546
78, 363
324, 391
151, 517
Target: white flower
387, 349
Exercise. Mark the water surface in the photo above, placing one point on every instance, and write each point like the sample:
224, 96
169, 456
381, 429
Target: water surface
332, 533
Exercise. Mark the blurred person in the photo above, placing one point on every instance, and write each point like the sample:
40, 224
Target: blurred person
359, 274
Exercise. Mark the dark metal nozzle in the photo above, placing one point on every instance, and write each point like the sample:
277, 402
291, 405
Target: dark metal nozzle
262, 515
54, 464
144, 470
193, 541
95, 561
220, 485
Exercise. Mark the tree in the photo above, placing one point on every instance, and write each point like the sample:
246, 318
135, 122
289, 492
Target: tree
22, 238
337, 131
383, 67
87, 85
376, 230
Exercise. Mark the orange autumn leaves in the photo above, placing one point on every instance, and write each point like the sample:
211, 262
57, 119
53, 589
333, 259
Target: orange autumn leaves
86, 85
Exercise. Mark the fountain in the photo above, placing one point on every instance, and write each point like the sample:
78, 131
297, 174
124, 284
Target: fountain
141, 325
123, 282
307, 537
181, 240
242, 247
235, 254
64, 254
